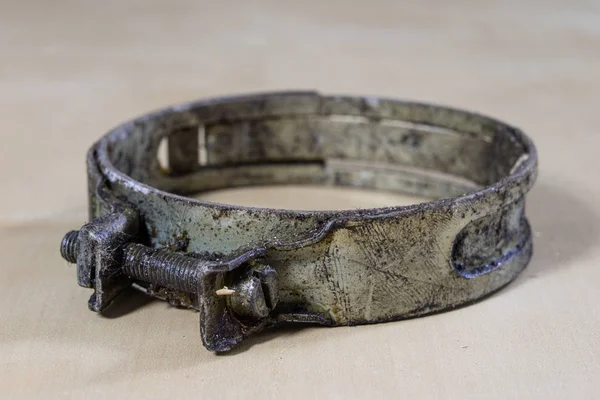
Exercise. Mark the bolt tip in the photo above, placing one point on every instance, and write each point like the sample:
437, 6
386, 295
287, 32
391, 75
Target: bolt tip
69, 246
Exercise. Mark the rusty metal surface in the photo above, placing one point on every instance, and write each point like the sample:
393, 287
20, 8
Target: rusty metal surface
246, 268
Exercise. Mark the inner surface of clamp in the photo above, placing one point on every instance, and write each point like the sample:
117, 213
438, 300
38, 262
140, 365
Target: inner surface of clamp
416, 158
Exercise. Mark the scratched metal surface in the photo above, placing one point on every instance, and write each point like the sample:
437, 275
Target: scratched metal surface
366, 265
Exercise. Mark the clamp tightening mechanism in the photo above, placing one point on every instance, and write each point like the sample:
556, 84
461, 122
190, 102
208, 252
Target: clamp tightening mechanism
235, 295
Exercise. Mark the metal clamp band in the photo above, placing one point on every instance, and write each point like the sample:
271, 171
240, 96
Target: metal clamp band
246, 268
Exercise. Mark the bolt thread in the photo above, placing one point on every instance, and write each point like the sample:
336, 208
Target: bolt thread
161, 267
69, 246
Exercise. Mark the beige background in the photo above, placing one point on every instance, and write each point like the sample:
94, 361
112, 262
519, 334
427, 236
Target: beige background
70, 70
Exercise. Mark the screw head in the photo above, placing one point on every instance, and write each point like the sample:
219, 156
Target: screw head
255, 294
70, 246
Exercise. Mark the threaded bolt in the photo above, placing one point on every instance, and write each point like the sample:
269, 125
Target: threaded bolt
161, 267
255, 296
69, 246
